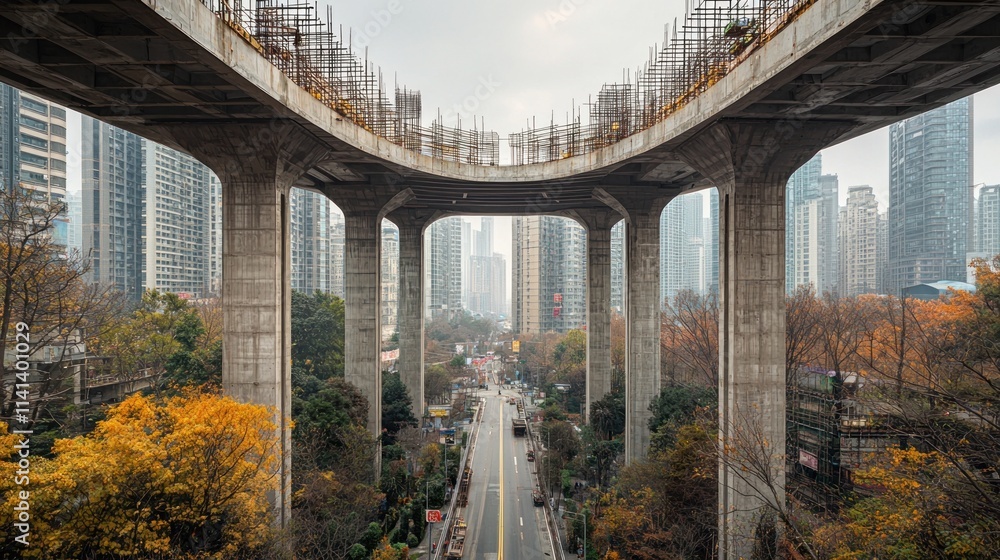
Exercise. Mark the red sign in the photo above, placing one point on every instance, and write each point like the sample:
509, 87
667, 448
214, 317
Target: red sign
433, 516
556, 311
557, 298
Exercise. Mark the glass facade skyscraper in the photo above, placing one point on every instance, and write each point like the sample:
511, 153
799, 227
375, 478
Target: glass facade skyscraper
930, 196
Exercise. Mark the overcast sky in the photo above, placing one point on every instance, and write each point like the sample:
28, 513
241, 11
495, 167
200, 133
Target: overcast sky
538, 56
513, 60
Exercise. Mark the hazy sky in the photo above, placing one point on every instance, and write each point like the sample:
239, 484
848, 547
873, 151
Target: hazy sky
510, 61
538, 56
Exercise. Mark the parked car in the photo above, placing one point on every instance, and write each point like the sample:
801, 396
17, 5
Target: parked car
531, 455
538, 498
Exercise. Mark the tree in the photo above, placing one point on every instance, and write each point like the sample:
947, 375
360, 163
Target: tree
397, 406
188, 475
910, 513
675, 406
42, 290
617, 352
318, 334
607, 416
691, 328
437, 383
331, 514
803, 316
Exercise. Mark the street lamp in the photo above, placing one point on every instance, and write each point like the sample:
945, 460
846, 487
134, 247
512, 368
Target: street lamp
584, 516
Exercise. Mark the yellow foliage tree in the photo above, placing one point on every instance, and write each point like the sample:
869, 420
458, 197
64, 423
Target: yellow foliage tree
910, 514
183, 478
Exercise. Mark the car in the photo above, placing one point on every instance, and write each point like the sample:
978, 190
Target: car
531, 455
538, 498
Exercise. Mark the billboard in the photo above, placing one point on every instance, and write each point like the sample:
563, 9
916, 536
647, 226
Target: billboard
516, 346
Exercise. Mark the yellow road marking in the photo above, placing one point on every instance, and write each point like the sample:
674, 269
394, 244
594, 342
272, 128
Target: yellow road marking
500, 539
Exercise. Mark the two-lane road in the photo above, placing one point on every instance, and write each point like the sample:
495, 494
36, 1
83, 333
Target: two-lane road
500, 493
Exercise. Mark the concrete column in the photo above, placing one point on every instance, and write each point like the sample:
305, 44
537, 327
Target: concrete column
257, 166
751, 162
641, 208
411, 224
363, 309
363, 213
598, 223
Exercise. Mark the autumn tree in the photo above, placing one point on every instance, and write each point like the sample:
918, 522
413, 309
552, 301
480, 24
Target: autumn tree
437, 383
910, 513
803, 322
691, 330
186, 476
665, 507
42, 289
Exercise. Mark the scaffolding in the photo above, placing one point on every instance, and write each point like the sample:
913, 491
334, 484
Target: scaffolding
715, 37
830, 433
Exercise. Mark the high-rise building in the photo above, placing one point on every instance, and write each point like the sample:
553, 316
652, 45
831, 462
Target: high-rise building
215, 235
682, 247
74, 234
337, 236
712, 243
443, 270
618, 267
860, 268
811, 215
486, 273
111, 166
176, 222
309, 215
390, 279
988, 221
549, 274
467, 251
33, 150
930, 196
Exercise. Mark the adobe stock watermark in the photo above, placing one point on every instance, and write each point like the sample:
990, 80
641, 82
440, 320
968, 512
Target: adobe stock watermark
563, 11
22, 394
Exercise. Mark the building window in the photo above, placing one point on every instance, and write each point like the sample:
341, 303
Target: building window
32, 105
36, 124
34, 141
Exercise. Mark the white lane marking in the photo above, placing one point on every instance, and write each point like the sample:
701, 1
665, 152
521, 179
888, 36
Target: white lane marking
522, 521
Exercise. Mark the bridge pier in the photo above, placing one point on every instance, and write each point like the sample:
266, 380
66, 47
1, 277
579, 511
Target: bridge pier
598, 223
411, 224
750, 162
363, 212
641, 208
257, 165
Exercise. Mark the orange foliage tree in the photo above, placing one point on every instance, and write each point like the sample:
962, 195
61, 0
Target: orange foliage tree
186, 477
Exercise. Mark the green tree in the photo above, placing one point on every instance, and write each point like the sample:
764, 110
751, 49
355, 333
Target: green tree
607, 416
397, 406
676, 406
318, 334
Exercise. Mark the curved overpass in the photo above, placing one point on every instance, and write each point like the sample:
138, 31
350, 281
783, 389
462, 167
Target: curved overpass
155, 66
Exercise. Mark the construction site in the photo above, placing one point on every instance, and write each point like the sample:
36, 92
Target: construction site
713, 38
831, 430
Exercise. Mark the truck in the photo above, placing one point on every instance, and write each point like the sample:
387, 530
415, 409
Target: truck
456, 540
519, 426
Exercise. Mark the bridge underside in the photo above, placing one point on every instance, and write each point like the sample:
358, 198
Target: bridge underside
171, 71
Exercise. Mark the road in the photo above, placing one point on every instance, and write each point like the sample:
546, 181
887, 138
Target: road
500, 492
